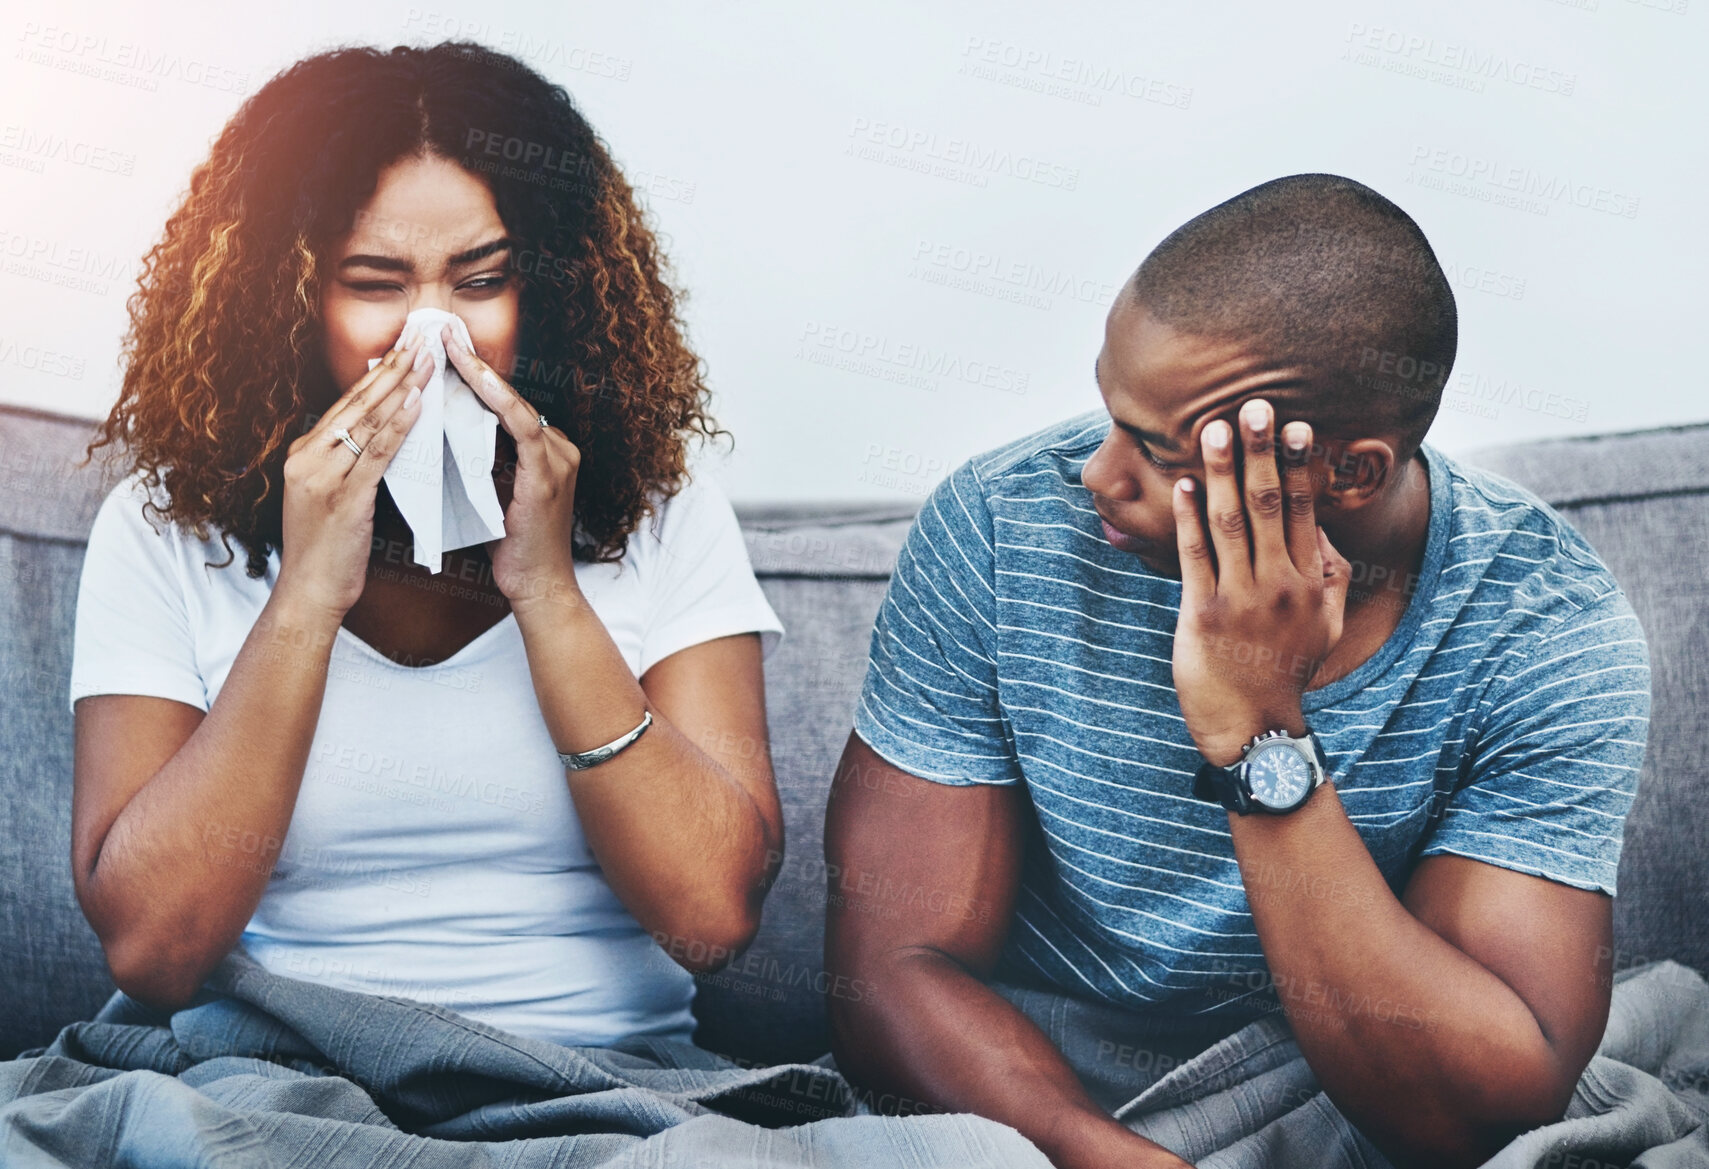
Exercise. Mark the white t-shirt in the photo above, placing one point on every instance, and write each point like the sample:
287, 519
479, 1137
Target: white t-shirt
434, 851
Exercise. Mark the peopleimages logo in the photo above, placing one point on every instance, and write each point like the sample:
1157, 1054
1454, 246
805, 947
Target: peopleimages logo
39, 360
1523, 187
1479, 279
1475, 386
912, 148
78, 268
1072, 78
126, 62
541, 53
45, 145
902, 470
1004, 278
1432, 59
904, 362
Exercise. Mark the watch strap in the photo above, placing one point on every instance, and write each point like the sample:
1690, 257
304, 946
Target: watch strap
1222, 785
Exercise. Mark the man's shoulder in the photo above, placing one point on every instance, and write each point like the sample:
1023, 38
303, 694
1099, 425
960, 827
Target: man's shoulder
1019, 509
1036, 473
1509, 535
1060, 446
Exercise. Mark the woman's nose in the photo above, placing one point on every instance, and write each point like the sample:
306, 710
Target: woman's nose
441, 302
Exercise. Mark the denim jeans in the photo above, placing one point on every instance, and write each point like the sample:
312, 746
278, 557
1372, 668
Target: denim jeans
1220, 1099
1248, 1100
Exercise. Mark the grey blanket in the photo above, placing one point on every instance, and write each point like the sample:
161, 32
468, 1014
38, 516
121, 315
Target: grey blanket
1248, 1100
261, 1070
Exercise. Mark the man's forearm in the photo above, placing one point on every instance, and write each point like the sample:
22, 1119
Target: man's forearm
937, 1035
1420, 1046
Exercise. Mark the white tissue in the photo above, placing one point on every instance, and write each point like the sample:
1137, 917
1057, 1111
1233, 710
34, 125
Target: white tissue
441, 477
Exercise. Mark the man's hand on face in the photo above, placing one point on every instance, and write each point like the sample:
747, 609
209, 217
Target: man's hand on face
1262, 590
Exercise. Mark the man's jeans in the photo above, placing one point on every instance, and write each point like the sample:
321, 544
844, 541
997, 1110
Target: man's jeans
1219, 1096
1248, 1100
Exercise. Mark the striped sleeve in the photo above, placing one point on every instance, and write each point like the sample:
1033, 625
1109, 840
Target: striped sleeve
929, 702
1556, 764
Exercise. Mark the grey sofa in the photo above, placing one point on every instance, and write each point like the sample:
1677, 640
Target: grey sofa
1642, 499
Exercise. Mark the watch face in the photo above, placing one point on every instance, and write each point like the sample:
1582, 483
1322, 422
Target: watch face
1278, 775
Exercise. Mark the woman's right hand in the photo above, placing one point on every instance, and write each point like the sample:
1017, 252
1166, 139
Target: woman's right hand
330, 490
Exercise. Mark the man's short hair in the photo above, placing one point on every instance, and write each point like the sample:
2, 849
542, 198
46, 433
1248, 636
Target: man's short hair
1319, 270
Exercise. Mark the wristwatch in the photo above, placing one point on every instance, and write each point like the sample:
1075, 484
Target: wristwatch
1275, 773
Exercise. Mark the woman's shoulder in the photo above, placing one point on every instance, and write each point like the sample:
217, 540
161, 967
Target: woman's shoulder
135, 525
696, 576
135, 503
146, 507
691, 543
697, 514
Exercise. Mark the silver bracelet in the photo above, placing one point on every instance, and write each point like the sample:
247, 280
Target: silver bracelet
582, 760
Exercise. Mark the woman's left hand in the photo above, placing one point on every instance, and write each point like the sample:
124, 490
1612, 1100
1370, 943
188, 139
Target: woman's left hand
532, 561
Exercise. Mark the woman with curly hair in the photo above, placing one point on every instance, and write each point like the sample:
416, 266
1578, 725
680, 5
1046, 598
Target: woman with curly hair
530, 783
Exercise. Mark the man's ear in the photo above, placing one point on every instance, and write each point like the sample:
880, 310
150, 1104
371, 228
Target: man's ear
1356, 471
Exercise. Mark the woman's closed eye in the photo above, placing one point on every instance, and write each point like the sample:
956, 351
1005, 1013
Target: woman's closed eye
479, 284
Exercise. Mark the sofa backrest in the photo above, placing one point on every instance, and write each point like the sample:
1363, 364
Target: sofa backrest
1641, 499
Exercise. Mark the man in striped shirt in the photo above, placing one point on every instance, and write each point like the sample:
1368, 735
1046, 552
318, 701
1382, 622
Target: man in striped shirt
1252, 536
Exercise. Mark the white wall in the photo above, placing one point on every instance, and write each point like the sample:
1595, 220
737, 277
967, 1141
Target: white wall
955, 195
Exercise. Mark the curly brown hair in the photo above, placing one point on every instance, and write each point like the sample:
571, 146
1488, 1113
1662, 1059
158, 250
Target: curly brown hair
223, 355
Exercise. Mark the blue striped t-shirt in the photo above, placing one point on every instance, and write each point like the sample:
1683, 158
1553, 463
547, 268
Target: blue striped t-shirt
1503, 720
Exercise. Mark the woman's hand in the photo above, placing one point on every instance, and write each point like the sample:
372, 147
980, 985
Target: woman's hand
330, 490
533, 561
